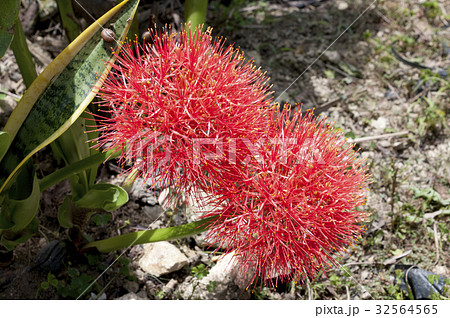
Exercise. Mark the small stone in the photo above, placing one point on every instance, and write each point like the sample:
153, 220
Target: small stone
131, 286
153, 212
140, 275
162, 258
332, 56
168, 289
142, 294
342, 5
94, 296
379, 124
255, 56
132, 296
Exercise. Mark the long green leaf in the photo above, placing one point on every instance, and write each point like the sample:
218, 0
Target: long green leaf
8, 16
150, 236
4, 142
74, 168
61, 93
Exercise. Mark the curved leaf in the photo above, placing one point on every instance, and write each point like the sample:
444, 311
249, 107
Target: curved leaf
17, 214
103, 196
23, 236
23, 211
63, 90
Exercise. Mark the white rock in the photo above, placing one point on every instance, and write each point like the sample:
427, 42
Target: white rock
131, 296
342, 5
379, 124
168, 289
162, 258
221, 272
332, 56
228, 282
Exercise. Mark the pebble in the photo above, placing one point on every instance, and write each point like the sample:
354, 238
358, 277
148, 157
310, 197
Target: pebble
162, 258
332, 56
132, 296
131, 286
379, 124
169, 288
342, 5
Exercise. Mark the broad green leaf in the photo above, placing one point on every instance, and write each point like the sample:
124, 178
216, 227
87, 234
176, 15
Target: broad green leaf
22, 237
17, 213
4, 142
5, 224
8, 15
63, 90
103, 196
23, 211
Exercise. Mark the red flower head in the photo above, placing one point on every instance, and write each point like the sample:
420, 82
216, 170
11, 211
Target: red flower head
173, 103
286, 193
296, 205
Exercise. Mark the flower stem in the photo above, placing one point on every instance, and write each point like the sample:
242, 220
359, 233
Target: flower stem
67, 18
23, 55
195, 12
150, 236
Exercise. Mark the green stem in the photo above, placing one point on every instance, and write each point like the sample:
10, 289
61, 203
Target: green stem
67, 18
74, 168
150, 236
195, 12
23, 55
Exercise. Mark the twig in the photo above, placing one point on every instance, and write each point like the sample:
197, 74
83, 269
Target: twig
394, 259
17, 97
385, 136
433, 214
436, 241
360, 264
348, 292
325, 106
421, 94
394, 187
339, 71
382, 16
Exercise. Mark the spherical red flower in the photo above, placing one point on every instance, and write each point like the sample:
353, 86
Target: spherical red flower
297, 203
176, 104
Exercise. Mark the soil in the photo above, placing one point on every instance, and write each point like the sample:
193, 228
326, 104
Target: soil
333, 56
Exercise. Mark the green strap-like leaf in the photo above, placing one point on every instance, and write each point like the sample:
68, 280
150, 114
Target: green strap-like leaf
63, 90
150, 236
8, 16
4, 142
74, 168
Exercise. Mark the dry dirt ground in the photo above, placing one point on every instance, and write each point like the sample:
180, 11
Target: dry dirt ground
360, 83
